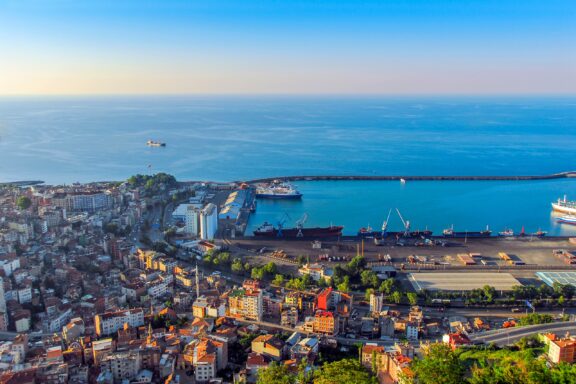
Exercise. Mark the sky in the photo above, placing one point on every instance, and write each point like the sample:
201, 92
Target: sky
287, 47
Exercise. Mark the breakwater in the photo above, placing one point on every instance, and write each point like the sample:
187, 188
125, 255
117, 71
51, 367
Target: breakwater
561, 175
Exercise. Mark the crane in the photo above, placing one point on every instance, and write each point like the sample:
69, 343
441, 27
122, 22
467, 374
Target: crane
405, 222
300, 224
385, 224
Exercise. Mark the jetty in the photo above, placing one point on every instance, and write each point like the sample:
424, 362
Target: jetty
561, 175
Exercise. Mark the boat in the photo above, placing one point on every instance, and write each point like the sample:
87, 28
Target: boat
538, 233
277, 190
564, 206
402, 181
449, 232
152, 143
568, 219
270, 230
507, 232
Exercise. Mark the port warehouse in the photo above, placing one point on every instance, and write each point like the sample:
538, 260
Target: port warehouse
461, 281
550, 277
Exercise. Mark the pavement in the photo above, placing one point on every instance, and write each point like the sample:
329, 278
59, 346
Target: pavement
506, 336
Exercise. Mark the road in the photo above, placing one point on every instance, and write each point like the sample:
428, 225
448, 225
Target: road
507, 336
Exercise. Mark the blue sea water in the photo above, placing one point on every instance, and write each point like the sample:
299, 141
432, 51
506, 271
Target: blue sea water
223, 138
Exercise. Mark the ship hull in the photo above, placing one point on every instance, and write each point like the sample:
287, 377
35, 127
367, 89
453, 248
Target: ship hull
567, 220
563, 209
295, 233
413, 234
477, 234
294, 196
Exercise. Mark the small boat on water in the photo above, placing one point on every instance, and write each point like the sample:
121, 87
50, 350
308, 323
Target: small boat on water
402, 181
152, 143
568, 219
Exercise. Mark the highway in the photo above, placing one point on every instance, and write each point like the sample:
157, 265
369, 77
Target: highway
507, 336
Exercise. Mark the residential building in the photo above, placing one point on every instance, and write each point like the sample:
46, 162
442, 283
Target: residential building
268, 345
561, 350
326, 322
110, 322
246, 304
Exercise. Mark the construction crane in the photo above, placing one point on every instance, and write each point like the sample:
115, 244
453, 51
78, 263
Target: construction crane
405, 222
385, 224
281, 223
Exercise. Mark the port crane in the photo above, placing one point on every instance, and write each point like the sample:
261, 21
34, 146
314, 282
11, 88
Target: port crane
385, 224
405, 222
300, 224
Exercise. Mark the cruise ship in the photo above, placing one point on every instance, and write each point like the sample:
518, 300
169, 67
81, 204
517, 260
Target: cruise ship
564, 206
277, 190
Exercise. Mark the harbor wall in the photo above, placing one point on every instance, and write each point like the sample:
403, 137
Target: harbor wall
561, 175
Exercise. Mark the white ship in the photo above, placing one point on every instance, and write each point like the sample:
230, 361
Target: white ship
564, 206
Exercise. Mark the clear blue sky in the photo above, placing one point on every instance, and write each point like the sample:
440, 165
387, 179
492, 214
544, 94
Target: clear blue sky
289, 46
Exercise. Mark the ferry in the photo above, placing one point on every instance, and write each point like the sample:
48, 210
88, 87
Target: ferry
152, 143
277, 190
569, 219
565, 206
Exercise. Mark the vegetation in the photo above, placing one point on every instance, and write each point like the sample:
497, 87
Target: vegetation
535, 318
519, 364
23, 202
275, 373
343, 371
154, 183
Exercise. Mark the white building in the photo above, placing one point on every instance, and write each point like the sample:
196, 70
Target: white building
2, 299
192, 220
208, 222
376, 302
110, 322
412, 331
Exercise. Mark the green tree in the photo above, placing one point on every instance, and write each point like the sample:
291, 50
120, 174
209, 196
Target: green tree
257, 273
270, 268
344, 286
275, 373
440, 365
237, 266
343, 371
369, 278
23, 202
369, 292
396, 297
489, 293
412, 298
387, 286
278, 280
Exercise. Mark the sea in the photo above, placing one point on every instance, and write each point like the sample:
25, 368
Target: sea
62, 140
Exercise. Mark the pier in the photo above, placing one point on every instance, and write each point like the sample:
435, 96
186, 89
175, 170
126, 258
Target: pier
561, 175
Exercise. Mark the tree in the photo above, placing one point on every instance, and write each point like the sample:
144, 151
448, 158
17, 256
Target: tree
257, 273
396, 297
275, 373
440, 365
342, 371
270, 268
237, 266
412, 298
387, 286
278, 279
344, 286
369, 278
489, 293
23, 202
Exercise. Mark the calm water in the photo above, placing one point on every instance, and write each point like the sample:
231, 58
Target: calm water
62, 140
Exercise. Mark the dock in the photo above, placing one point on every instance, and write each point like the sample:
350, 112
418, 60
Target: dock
561, 175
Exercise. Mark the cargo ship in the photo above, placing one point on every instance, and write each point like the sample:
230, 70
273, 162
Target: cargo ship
367, 232
569, 219
152, 143
277, 190
269, 230
564, 206
506, 233
449, 232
